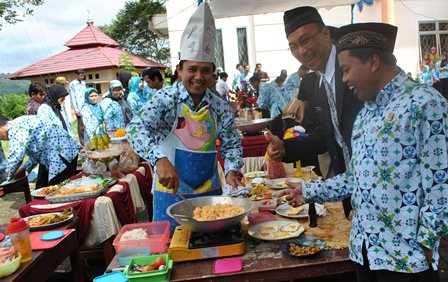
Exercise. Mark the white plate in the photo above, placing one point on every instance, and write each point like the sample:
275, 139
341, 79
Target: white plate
280, 183
85, 181
48, 226
118, 138
276, 230
284, 208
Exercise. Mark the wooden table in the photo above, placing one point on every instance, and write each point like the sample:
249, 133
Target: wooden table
46, 261
263, 260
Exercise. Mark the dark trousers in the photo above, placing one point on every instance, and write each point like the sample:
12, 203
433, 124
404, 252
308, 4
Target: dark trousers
80, 130
69, 171
444, 88
364, 274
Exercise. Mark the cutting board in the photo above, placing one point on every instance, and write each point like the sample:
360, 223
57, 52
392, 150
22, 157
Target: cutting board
38, 244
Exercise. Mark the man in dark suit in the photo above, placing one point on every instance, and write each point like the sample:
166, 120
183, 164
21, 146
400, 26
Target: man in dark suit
310, 43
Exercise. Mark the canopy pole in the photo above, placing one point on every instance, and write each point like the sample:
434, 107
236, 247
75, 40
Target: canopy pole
388, 11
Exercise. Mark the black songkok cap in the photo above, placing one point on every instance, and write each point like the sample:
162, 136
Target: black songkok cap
366, 35
295, 18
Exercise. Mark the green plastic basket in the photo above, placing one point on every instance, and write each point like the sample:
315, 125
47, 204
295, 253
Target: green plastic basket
153, 276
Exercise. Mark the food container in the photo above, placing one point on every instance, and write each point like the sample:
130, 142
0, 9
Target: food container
153, 276
268, 205
158, 233
260, 217
253, 126
19, 233
9, 268
115, 276
125, 255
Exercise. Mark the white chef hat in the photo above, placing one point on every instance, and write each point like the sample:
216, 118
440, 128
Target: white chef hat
198, 40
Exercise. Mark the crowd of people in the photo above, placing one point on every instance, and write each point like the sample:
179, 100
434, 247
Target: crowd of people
384, 132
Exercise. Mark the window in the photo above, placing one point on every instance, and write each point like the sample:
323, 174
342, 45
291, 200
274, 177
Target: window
90, 76
46, 81
51, 80
97, 75
219, 50
243, 56
434, 33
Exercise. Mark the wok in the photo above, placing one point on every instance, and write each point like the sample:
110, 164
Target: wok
253, 126
181, 212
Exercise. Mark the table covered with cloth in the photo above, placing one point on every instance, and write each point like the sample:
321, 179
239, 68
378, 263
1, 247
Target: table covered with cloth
102, 217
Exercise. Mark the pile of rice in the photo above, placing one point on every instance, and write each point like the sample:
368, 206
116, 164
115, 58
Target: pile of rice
134, 234
217, 211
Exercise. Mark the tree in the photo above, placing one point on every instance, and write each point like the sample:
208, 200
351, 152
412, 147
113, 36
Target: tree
130, 30
9, 10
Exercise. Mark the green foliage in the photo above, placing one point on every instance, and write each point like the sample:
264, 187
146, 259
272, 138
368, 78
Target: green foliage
130, 29
126, 64
13, 86
13, 105
12, 11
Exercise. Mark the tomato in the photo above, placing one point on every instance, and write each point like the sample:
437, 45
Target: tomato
158, 262
147, 268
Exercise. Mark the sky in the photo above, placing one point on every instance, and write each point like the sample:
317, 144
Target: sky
45, 32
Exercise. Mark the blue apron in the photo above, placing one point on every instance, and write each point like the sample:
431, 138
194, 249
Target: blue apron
191, 148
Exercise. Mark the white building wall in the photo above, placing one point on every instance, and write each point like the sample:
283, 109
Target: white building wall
267, 43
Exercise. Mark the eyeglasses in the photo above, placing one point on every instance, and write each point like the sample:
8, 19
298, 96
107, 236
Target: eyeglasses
304, 42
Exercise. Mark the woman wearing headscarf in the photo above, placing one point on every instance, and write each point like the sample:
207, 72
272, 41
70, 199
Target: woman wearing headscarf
92, 115
426, 76
52, 111
136, 98
124, 77
116, 111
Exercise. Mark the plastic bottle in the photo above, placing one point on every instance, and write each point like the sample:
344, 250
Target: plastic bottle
19, 233
312, 215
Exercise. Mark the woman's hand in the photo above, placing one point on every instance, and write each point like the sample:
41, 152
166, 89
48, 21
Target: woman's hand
232, 180
167, 174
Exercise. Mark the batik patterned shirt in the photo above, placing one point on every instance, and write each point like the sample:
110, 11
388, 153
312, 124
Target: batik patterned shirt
155, 121
113, 114
46, 113
77, 88
291, 86
2, 163
91, 123
270, 98
42, 142
397, 178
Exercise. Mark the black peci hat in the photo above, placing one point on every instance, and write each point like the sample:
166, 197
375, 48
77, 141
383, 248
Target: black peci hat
366, 35
297, 17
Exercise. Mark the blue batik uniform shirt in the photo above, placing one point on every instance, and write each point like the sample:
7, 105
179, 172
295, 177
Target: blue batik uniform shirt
291, 86
397, 178
76, 88
156, 119
270, 98
42, 142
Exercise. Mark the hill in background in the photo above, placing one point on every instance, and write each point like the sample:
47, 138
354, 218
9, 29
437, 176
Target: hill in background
13, 86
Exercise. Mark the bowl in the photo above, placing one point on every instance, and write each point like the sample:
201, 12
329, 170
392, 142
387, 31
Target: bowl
9, 268
181, 212
253, 126
303, 241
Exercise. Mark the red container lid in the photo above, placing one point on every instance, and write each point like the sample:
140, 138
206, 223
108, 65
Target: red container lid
2, 237
16, 224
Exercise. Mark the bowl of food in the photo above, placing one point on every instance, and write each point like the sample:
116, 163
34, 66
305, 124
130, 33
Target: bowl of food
253, 126
9, 261
303, 246
212, 213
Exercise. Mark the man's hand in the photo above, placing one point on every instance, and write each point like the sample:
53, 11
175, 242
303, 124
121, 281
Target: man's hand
231, 179
276, 148
167, 174
78, 113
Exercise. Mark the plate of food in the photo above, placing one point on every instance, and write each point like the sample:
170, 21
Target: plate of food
87, 181
287, 210
77, 193
282, 183
48, 220
303, 247
45, 191
276, 230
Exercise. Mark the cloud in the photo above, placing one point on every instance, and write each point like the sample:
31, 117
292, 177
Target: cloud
45, 32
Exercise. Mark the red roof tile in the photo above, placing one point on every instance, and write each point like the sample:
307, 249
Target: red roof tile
86, 58
90, 35
89, 49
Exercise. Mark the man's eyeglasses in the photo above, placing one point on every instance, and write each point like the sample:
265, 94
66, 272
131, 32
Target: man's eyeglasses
304, 41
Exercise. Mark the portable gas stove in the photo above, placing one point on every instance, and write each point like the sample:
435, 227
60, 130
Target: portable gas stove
187, 245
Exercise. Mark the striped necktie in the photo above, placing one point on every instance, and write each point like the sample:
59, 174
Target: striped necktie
335, 121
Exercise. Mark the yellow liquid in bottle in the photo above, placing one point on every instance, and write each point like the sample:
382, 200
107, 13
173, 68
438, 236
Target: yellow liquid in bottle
23, 244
